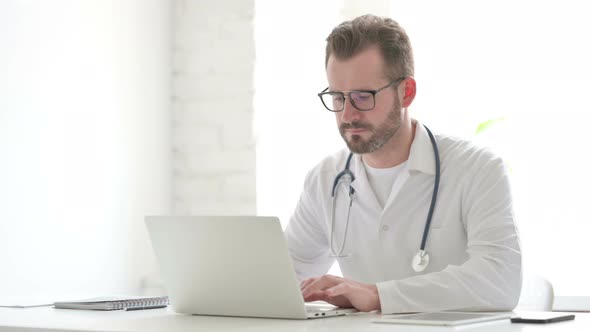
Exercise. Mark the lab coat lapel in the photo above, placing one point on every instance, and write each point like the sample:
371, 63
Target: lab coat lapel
421, 159
361, 185
403, 176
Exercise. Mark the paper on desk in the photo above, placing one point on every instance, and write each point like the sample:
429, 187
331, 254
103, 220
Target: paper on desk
35, 301
24, 302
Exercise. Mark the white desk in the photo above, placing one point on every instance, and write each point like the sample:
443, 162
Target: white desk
50, 319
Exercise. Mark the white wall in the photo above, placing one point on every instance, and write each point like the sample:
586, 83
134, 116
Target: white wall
214, 156
84, 141
295, 131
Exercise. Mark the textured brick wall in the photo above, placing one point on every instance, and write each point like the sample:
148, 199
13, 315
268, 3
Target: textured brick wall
214, 155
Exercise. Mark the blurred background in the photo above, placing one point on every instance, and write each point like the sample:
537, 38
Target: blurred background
114, 110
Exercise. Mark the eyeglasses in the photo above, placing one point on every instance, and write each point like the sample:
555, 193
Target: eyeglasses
362, 100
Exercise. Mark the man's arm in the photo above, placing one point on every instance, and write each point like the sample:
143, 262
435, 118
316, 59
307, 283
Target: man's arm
306, 235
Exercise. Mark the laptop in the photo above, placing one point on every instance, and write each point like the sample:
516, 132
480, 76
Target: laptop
230, 266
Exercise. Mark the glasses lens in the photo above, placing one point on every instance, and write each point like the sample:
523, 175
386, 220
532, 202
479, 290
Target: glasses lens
362, 100
334, 101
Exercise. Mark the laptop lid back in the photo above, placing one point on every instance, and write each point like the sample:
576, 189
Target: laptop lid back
227, 266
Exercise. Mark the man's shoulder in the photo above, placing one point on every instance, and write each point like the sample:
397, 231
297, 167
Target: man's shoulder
330, 165
457, 152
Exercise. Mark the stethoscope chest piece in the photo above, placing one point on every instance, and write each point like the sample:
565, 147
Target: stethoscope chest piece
420, 261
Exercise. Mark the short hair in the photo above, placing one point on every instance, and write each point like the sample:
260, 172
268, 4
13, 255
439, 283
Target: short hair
352, 37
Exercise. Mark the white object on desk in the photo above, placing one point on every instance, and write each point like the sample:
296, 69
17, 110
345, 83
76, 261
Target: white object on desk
443, 318
32, 301
24, 302
536, 294
572, 303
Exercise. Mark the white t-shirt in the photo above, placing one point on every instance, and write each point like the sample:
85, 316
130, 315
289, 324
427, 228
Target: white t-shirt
382, 180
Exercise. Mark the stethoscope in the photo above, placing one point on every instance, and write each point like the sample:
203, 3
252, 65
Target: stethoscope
421, 259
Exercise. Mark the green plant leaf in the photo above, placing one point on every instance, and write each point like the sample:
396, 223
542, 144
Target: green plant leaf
487, 124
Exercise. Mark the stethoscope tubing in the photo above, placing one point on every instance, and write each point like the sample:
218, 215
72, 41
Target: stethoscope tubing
344, 172
434, 190
348, 172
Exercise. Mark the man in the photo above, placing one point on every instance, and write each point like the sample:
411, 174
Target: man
471, 258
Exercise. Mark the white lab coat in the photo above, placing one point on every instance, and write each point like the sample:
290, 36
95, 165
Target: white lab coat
475, 259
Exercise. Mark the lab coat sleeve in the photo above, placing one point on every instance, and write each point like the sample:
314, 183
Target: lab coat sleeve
306, 233
490, 279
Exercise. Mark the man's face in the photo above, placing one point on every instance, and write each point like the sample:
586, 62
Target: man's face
365, 132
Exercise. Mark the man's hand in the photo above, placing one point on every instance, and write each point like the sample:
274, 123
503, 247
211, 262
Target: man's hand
341, 292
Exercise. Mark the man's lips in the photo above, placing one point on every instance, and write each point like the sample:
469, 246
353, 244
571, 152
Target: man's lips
355, 130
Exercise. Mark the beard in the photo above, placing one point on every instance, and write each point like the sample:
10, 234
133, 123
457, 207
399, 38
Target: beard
381, 135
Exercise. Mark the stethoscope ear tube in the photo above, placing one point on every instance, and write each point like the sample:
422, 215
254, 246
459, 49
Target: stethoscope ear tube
344, 172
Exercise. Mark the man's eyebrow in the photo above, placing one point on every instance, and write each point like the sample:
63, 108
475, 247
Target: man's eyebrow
355, 89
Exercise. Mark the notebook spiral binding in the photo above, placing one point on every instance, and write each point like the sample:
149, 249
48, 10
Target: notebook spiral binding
131, 304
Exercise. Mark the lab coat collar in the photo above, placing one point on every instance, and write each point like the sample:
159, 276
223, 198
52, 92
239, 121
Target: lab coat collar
421, 156
421, 159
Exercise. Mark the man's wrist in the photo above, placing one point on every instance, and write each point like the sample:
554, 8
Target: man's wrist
385, 303
377, 297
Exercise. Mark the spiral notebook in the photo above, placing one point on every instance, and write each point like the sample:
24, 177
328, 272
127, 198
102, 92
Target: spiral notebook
115, 303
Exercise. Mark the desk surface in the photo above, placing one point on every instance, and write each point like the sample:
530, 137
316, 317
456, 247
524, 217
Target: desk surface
50, 319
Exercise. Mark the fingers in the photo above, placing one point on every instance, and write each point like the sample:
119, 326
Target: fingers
316, 296
339, 301
361, 296
306, 283
341, 292
324, 282
341, 289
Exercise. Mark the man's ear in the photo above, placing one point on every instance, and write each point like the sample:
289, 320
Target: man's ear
409, 86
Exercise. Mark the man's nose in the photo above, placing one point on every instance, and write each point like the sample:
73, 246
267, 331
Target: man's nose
350, 113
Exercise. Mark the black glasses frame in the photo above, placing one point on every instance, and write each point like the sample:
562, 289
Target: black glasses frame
345, 94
